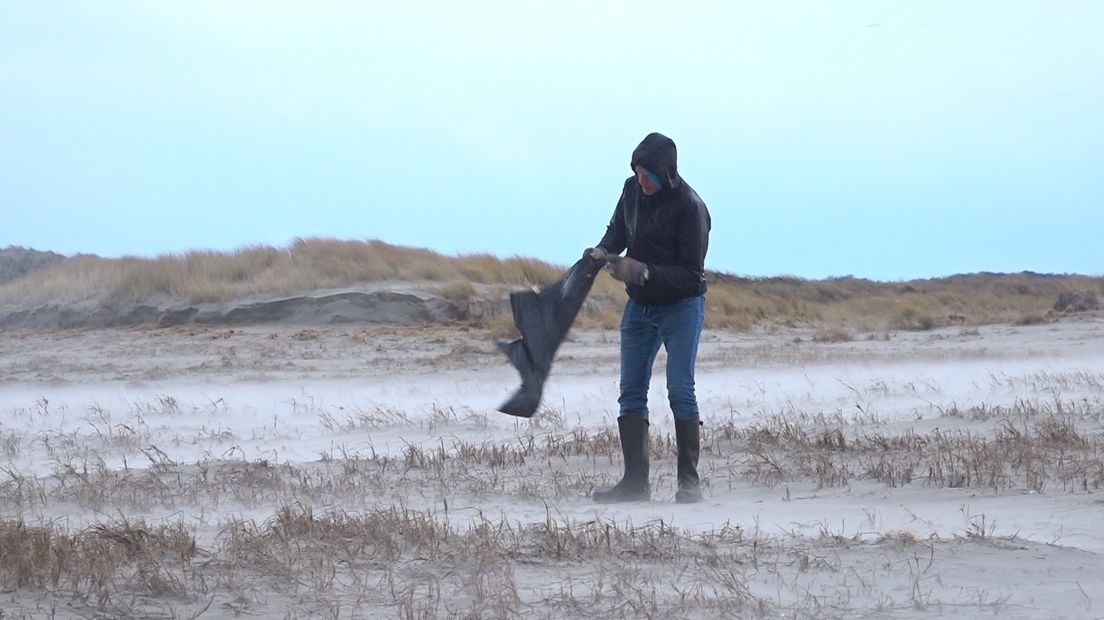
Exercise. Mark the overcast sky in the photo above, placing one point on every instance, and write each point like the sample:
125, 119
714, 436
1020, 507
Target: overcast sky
887, 140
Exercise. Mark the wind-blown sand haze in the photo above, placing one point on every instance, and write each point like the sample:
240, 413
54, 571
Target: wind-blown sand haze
354, 472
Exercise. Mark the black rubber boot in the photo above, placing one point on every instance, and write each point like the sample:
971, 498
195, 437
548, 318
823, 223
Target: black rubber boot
633, 486
688, 438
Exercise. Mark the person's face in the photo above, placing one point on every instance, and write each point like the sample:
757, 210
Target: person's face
645, 181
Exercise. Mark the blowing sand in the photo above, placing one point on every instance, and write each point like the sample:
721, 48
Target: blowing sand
290, 472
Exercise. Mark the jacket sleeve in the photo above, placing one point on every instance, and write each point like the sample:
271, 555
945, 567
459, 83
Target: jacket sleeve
614, 241
688, 271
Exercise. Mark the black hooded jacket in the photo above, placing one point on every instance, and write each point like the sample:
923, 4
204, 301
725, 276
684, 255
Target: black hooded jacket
667, 231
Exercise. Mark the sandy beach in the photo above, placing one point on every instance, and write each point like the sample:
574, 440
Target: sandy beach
352, 472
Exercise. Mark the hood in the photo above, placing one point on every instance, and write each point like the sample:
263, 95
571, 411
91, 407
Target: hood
657, 153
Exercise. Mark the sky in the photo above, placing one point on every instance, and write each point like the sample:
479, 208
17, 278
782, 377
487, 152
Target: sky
886, 140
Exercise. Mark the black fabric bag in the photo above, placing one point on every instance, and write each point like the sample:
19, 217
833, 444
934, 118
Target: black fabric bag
543, 318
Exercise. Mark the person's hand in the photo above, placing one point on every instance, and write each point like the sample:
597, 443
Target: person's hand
628, 270
597, 252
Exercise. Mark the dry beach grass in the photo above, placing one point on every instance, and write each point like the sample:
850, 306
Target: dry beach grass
408, 561
735, 302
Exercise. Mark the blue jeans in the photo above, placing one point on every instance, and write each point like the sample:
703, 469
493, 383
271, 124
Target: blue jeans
678, 328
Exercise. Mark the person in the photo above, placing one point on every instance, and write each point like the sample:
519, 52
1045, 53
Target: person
664, 226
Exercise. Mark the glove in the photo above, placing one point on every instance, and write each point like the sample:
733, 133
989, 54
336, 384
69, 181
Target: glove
597, 252
629, 271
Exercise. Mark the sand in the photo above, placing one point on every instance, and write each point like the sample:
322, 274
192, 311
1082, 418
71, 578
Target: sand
211, 428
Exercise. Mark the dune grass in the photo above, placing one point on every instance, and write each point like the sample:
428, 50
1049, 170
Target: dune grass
306, 264
867, 305
733, 302
17, 261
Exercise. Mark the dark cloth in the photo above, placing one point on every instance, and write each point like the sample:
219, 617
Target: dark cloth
668, 231
542, 319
